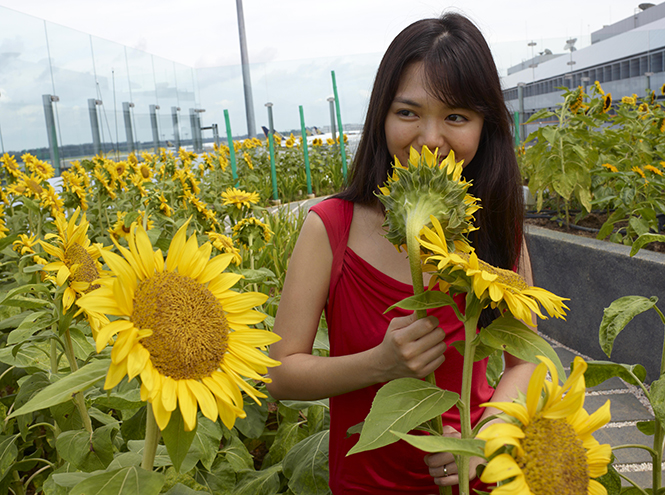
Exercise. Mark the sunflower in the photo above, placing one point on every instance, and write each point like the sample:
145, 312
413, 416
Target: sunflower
653, 169
638, 171
51, 199
610, 167
121, 230
252, 232
239, 198
248, 160
40, 168
547, 447
164, 206
24, 244
629, 100
225, 245
3, 226
504, 289
607, 102
599, 88
426, 186
182, 328
10, 165
77, 264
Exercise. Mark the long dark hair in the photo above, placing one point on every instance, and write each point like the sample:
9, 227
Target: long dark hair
459, 70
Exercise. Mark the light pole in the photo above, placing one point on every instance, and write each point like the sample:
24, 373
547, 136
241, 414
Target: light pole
246, 80
2, 144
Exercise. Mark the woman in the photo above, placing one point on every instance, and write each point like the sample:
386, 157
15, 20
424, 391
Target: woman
437, 85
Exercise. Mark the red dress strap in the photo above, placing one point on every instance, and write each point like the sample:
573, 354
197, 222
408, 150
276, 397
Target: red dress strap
336, 215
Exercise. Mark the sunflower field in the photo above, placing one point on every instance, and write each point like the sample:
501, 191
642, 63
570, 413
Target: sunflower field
602, 156
136, 304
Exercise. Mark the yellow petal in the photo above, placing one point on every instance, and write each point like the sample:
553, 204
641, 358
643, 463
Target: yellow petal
162, 416
517, 411
110, 330
215, 266
123, 345
501, 468
596, 488
136, 360
187, 403
169, 393
145, 253
115, 375
242, 302
205, 399
175, 249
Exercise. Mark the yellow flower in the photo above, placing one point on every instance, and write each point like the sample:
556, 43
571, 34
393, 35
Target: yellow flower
182, 328
239, 198
24, 244
225, 245
547, 446
638, 171
42, 169
3, 227
653, 169
629, 100
248, 160
662, 89
252, 232
290, 142
77, 264
610, 167
10, 165
50, 199
607, 102
504, 289
164, 206
599, 88
330, 141
121, 230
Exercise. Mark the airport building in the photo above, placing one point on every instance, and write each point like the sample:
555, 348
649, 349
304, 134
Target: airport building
627, 57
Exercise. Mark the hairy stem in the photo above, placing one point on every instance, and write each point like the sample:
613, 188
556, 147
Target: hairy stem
78, 397
152, 436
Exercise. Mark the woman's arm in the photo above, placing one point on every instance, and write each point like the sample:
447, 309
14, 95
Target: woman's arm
410, 347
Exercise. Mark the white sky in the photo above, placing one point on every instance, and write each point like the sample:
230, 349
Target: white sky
204, 33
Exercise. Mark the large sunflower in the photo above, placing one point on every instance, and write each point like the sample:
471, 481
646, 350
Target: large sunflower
503, 288
182, 328
547, 446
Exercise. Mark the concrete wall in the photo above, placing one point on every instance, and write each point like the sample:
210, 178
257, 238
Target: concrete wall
592, 274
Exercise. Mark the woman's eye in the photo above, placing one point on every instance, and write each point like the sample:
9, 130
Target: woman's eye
405, 113
455, 117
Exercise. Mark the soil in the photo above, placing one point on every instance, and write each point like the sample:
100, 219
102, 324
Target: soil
592, 221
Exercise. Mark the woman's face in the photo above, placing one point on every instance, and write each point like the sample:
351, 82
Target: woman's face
416, 119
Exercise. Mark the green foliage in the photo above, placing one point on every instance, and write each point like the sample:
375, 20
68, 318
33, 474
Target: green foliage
618, 315
601, 155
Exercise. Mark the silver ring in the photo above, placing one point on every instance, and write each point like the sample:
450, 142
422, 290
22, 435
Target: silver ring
445, 471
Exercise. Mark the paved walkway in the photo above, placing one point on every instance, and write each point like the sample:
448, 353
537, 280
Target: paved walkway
628, 406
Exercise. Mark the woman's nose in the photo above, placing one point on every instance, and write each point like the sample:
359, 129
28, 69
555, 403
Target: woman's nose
433, 136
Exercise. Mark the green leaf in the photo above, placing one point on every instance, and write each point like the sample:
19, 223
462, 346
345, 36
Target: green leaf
432, 443
288, 435
514, 337
237, 455
254, 423
306, 465
126, 459
643, 240
256, 276
176, 439
161, 457
220, 479
304, 404
657, 393
206, 441
29, 326
126, 481
180, 489
134, 428
264, 482
86, 452
426, 300
63, 389
34, 355
599, 371
401, 405
130, 399
8, 453
482, 350
539, 115
647, 427
618, 315
611, 481
494, 369
15, 297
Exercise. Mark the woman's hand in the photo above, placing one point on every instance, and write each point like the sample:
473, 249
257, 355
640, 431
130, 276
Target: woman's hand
411, 347
442, 466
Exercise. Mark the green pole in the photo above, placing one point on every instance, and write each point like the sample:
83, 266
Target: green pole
232, 151
342, 148
305, 150
516, 116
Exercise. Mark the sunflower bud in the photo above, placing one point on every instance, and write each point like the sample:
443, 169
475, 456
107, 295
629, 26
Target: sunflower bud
427, 186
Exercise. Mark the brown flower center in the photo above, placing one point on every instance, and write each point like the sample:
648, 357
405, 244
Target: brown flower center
85, 268
555, 461
190, 331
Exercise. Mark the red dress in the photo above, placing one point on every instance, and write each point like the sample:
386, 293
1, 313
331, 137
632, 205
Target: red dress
358, 296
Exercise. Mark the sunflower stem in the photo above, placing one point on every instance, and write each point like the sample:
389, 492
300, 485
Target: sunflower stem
78, 397
413, 250
470, 328
152, 436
